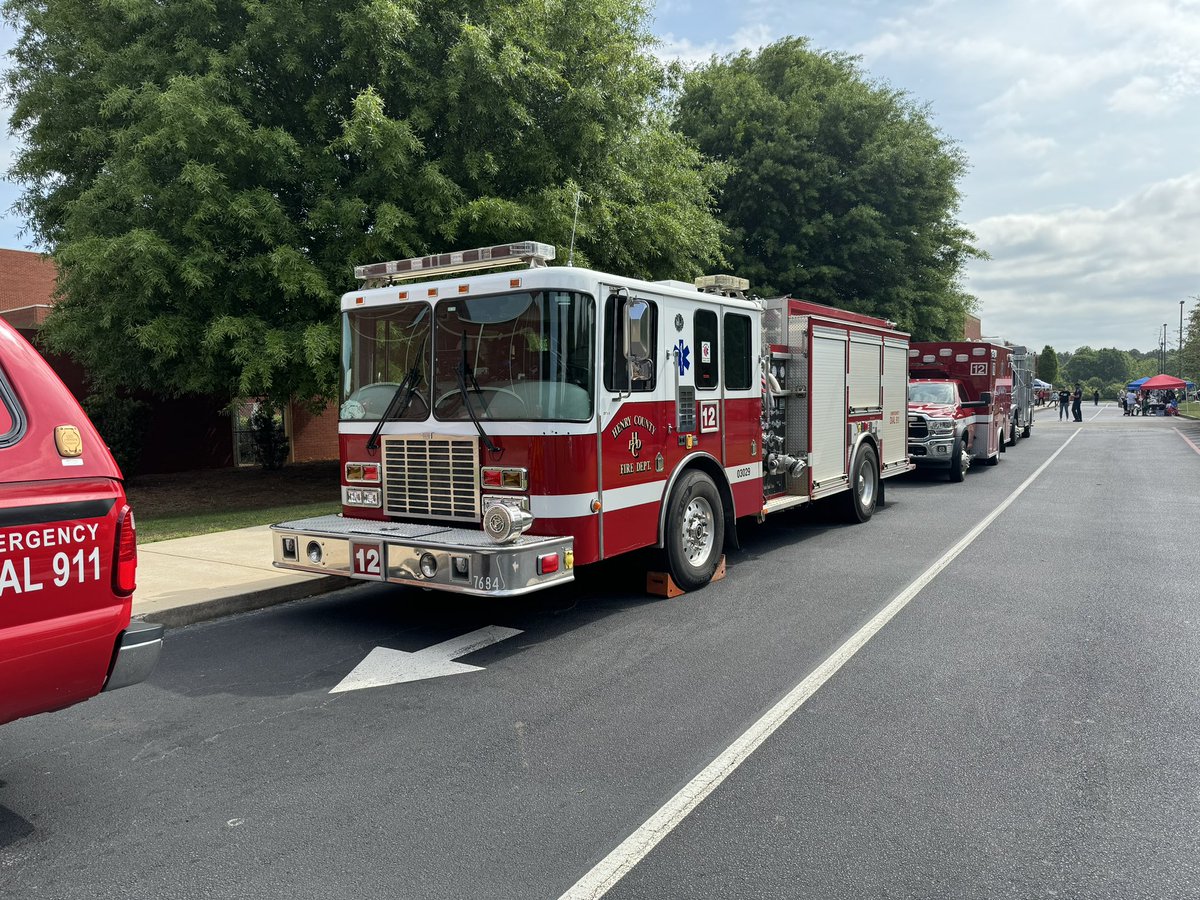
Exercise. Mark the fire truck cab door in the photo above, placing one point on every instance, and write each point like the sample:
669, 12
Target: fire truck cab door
634, 427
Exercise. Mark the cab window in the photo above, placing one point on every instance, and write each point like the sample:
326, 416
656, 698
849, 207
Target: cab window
616, 369
704, 330
12, 420
738, 351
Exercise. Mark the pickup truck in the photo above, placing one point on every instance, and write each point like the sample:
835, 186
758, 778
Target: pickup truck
68, 548
941, 426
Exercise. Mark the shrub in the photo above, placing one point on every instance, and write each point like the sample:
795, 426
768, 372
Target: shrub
270, 438
121, 422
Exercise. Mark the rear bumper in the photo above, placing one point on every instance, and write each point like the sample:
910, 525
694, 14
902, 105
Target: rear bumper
464, 560
137, 654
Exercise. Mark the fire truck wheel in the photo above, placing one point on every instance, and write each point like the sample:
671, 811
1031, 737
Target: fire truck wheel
695, 531
859, 502
1016, 433
1000, 439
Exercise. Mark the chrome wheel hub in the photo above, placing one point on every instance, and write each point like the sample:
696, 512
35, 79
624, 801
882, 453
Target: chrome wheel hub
697, 531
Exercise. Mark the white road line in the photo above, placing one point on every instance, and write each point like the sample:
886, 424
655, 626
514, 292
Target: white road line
1186, 438
610, 870
1100, 410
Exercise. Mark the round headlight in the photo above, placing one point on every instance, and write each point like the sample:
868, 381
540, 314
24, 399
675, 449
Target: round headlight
314, 553
428, 563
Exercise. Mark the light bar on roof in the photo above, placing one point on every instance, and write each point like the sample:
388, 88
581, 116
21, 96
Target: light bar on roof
722, 283
530, 252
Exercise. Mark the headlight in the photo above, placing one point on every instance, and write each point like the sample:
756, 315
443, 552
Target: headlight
941, 426
504, 523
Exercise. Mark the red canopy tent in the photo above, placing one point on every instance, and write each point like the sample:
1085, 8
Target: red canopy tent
1163, 383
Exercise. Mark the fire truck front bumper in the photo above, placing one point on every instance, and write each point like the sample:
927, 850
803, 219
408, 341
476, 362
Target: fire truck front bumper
439, 557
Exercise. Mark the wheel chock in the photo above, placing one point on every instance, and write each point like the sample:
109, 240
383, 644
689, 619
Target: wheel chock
661, 584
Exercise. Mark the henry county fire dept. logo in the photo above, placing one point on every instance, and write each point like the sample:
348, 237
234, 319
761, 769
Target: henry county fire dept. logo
635, 444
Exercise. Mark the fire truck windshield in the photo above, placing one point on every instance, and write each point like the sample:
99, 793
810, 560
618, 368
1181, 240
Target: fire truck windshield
522, 356
382, 349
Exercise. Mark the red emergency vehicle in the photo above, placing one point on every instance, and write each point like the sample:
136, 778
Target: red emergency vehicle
68, 548
959, 404
499, 429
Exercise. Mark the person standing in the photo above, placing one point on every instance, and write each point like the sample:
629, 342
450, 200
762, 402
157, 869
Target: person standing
1077, 403
1064, 397
1095, 398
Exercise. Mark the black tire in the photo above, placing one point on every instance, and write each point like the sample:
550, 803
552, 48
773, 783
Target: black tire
959, 461
1027, 431
695, 531
858, 503
1000, 440
1015, 434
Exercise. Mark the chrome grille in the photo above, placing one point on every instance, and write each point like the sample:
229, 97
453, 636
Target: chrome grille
430, 477
918, 427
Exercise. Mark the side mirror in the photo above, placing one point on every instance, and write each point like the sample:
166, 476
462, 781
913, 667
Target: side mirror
985, 397
639, 340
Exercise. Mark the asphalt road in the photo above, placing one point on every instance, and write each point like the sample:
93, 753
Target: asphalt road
1026, 726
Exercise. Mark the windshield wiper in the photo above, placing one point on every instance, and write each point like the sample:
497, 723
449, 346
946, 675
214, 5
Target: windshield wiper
461, 372
409, 384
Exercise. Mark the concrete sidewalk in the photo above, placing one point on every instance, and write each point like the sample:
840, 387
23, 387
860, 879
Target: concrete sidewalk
192, 579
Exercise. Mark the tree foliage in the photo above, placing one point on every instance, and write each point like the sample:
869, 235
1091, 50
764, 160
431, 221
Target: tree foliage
1047, 365
1191, 344
843, 191
1107, 366
207, 172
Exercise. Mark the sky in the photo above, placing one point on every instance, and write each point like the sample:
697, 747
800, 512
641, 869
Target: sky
1080, 120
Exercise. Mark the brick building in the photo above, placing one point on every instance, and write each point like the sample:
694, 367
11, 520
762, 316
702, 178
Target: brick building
182, 433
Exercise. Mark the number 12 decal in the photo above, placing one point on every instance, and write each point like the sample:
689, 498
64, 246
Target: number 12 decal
366, 560
710, 415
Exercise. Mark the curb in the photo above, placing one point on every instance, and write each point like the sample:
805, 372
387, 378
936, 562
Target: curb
218, 607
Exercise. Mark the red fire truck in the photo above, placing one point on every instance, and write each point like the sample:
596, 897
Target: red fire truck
959, 404
499, 429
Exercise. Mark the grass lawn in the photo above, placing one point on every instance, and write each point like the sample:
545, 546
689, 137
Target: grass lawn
1190, 408
188, 503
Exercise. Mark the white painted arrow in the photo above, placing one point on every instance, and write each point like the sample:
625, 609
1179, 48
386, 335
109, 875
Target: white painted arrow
384, 666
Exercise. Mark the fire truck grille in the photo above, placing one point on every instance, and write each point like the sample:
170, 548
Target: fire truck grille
431, 478
917, 427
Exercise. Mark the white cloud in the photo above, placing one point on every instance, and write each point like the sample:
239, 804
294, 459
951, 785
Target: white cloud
1105, 277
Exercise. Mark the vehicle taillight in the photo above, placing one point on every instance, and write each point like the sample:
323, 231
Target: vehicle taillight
125, 554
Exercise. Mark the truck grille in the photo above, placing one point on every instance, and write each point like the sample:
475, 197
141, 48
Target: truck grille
918, 427
431, 477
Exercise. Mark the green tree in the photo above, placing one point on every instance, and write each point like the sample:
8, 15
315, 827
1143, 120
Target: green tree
1191, 344
206, 174
1081, 366
1047, 365
842, 190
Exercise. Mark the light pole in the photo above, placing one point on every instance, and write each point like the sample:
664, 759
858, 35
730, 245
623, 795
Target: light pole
1163, 370
1181, 340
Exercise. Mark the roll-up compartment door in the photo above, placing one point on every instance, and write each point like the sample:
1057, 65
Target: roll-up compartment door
828, 404
865, 366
